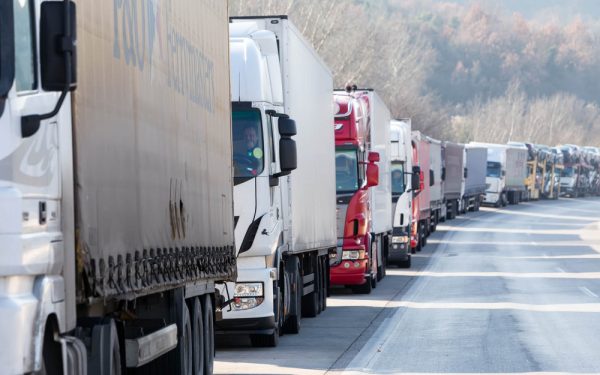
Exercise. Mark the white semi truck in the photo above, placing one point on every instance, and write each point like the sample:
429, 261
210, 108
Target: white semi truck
506, 173
284, 173
402, 191
116, 197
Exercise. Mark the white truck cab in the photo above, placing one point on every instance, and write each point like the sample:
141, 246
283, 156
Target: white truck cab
402, 195
283, 248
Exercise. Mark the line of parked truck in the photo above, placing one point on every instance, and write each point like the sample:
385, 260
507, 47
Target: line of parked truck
186, 176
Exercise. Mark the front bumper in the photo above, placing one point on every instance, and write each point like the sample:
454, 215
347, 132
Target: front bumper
491, 198
349, 272
399, 252
264, 326
254, 320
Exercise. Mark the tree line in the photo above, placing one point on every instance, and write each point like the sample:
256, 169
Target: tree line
461, 72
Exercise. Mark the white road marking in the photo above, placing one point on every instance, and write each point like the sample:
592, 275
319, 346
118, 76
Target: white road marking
588, 292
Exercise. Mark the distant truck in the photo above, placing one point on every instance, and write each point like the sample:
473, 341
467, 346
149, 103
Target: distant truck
422, 201
474, 186
284, 222
402, 192
453, 175
574, 180
364, 189
506, 173
116, 197
436, 182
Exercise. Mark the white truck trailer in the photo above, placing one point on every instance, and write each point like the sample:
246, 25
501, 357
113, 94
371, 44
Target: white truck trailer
284, 194
453, 155
474, 185
402, 195
116, 198
436, 195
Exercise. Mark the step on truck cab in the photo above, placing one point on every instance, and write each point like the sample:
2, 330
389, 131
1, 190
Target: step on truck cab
402, 192
116, 197
284, 176
364, 192
453, 175
422, 201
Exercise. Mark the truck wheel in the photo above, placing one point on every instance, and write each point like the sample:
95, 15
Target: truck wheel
195, 307
185, 345
105, 341
292, 323
325, 281
209, 334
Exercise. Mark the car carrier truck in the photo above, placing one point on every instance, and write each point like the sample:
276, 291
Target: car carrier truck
116, 197
284, 174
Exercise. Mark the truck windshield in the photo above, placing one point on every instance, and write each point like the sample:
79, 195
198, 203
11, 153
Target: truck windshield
568, 172
248, 151
494, 169
346, 171
398, 179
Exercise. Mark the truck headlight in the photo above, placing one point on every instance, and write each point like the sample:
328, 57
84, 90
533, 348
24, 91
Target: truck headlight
353, 254
399, 239
248, 290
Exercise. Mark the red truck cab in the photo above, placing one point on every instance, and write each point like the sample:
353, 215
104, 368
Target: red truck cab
356, 172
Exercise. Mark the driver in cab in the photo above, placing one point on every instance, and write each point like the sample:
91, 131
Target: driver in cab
248, 155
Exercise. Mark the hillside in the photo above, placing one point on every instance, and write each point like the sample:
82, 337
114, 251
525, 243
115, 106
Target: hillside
463, 70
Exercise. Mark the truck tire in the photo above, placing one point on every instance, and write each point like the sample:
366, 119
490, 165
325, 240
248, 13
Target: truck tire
209, 334
105, 357
197, 318
185, 344
325, 282
292, 323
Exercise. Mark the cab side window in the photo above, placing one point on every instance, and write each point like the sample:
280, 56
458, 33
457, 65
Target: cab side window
25, 73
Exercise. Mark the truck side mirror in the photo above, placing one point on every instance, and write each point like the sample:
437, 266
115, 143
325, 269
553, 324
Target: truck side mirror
58, 51
415, 180
503, 173
372, 175
466, 173
374, 157
444, 174
288, 155
431, 177
58, 57
7, 48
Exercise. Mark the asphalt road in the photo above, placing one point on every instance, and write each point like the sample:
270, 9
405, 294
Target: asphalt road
499, 291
